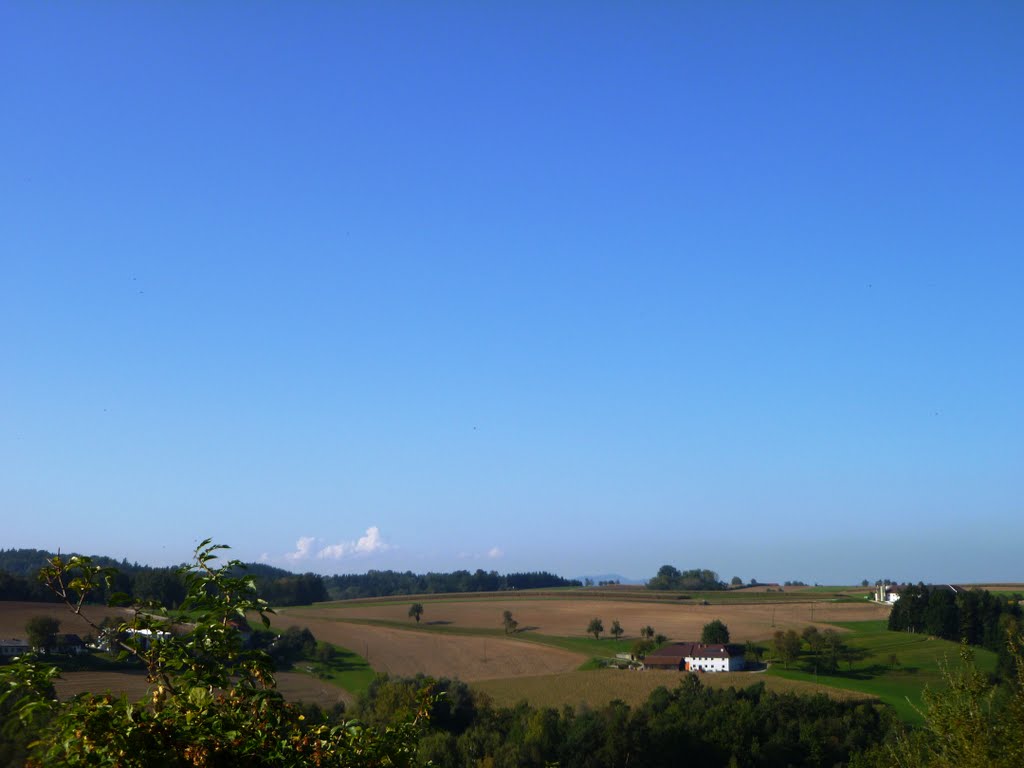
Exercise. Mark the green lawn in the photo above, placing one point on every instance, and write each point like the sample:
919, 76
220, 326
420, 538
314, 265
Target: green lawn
919, 664
347, 670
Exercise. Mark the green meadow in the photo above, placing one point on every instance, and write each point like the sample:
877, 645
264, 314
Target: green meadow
897, 666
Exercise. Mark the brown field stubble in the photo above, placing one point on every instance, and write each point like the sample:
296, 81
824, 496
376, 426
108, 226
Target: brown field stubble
401, 652
14, 615
569, 617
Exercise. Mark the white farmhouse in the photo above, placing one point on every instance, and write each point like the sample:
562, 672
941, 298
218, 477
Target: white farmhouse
697, 657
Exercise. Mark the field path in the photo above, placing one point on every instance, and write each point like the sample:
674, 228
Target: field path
407, 652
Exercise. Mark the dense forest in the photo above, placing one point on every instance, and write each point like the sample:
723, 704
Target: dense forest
18, 568
975, 616
690, 724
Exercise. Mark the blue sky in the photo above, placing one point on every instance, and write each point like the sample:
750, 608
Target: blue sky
574, 286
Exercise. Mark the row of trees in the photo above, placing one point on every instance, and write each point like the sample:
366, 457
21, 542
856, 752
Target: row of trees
388, 583
822, 650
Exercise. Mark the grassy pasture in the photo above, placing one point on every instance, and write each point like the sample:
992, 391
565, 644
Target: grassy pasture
920, 660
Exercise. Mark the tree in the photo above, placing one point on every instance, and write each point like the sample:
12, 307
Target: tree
325, 653
595, 628
510, 623
752, 651
736, 581
616, 629
787, 646
416, 610
647, 633
211, 701
715, 632
42, 632
667, 578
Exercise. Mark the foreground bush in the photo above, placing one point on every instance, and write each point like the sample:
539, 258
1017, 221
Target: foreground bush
212, 701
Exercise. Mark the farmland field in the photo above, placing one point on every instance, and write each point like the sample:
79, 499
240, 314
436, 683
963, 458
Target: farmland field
569, 616
14, 615
407, 652
463, 638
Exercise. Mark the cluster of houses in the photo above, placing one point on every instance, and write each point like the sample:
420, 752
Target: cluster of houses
697, 657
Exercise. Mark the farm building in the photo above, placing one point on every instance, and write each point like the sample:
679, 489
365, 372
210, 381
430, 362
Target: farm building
14, 647
697, 657
887, 593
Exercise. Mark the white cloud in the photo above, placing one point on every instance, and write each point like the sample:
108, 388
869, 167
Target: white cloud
371, 542
492, 554
302, 548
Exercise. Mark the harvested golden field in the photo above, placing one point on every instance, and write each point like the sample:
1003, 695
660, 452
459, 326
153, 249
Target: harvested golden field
597, 687
569, 617
407, 652
14, 615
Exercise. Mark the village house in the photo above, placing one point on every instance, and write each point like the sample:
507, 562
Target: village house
887, 593
14, 647
697, 657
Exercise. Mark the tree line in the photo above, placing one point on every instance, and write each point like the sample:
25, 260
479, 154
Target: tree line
18, 568
389, 583
689, 724
976, 617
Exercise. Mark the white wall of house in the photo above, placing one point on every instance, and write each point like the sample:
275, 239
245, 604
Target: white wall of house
715, 664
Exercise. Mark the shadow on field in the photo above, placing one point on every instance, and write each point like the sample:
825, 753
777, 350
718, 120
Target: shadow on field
865, 673
438, 621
